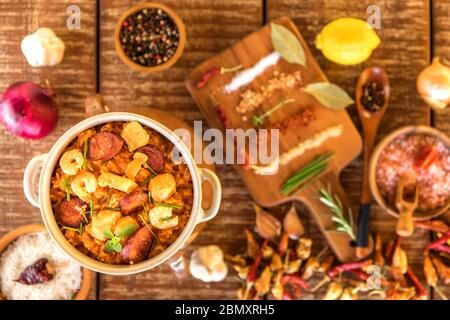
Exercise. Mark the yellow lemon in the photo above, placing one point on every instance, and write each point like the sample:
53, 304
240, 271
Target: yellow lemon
347, 41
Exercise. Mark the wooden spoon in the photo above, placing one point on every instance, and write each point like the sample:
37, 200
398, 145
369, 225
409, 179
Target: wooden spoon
405, 226
370, 121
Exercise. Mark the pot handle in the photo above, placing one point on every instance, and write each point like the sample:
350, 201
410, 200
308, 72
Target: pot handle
31, 179
211, 177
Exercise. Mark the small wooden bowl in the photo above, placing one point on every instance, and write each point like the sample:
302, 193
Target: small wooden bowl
11, 236
181, 42
418, 214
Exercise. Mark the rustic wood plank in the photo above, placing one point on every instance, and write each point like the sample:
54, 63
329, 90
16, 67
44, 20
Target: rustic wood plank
441, 47
211, 27
72, 80
403, 52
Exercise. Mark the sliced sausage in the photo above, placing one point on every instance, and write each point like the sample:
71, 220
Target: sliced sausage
155, 157
137, 246
69, 213
104, 146
133, 201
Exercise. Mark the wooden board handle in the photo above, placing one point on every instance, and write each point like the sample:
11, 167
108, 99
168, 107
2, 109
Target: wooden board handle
339, 242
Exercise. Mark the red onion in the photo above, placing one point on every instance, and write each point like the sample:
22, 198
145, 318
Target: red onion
28, 110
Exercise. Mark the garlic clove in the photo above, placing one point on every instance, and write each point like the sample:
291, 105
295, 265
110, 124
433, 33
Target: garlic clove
433, 84
43, 48
293, 225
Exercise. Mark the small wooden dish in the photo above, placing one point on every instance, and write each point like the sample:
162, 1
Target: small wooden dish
418, 214
11, 236
181, 42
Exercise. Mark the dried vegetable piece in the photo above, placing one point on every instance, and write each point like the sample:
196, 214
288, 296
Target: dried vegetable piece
267, 225
38, 272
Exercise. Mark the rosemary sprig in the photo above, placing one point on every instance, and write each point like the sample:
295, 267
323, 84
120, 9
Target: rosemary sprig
85, 153
66, 187
334, 203
259, 120
306, 174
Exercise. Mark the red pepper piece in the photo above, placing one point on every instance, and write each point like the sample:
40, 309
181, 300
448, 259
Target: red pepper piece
439, 242
207, 75
252, 274
364, 276
294, 279
420, 289
347, 267
425, 157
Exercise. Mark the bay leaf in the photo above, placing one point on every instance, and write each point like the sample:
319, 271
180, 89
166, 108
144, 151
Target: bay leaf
287, 44
329, 95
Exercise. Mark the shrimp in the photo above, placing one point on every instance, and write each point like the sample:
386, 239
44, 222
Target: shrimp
71, 161
162, 218
83, 184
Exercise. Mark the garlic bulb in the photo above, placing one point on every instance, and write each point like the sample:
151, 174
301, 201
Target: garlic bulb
43, 48
207, 264
433, 84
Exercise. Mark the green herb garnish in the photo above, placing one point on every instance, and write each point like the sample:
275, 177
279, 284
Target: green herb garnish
334, 203
148, 227
85, 154
147, 166
66, 187
79, 230
91, 205
259, 120
168, 205
113, 209
145, 182
149, 195
306, 173
113, 244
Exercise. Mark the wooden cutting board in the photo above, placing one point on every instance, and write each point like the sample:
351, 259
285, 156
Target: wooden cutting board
265, 189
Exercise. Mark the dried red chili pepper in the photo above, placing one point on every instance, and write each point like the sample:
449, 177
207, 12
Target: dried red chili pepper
347, 267
214, 71
439, 243
295, 280
38, 272
420, 289
433, 225
441, 248
252, 274
364, 276
391, 250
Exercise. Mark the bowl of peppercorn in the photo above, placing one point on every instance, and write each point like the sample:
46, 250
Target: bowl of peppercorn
149, 37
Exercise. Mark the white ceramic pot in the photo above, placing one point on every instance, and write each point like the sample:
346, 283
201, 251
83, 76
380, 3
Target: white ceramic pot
37, 192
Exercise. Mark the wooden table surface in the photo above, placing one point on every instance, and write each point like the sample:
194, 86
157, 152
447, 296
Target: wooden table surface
412, 32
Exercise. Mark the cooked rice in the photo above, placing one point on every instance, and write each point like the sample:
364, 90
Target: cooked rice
25, 251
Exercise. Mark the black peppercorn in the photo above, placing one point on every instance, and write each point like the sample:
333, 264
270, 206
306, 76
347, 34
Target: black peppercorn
149, 37
372, 97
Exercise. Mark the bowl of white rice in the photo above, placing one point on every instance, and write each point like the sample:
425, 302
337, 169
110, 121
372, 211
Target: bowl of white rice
20, 252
